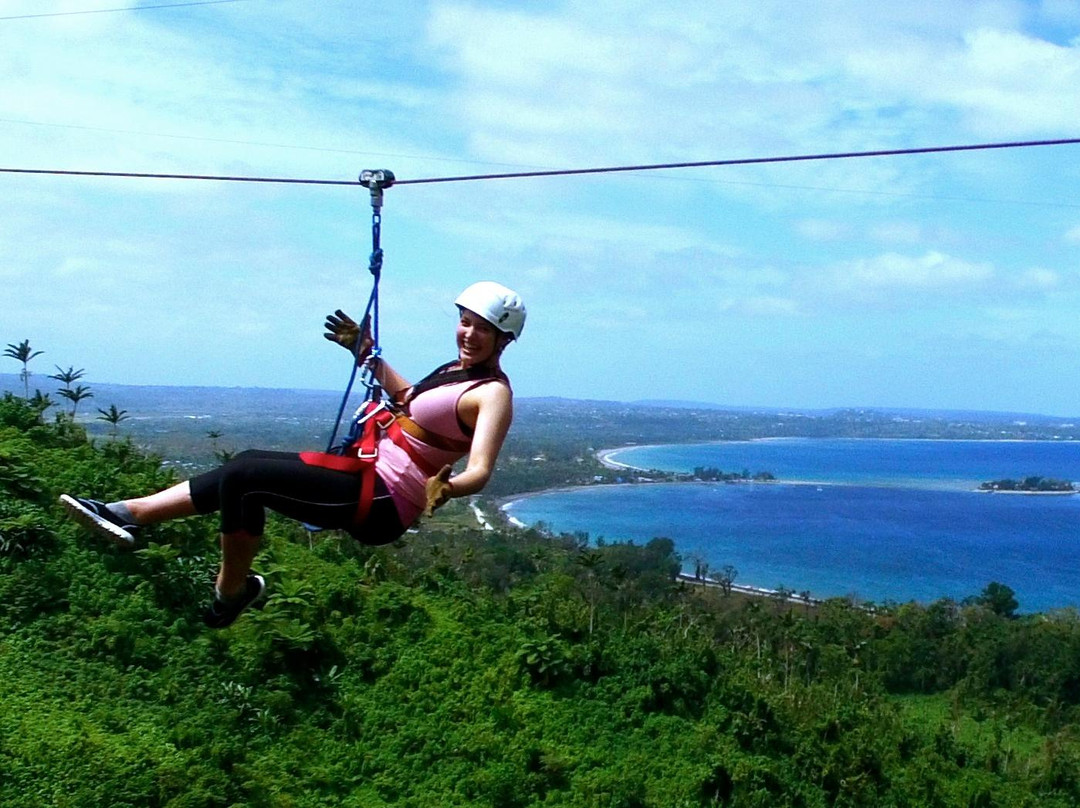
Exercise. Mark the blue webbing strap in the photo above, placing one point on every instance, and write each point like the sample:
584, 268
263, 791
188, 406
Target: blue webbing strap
376, 181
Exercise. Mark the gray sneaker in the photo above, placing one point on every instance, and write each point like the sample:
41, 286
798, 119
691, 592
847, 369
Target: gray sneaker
93, 515
223, 613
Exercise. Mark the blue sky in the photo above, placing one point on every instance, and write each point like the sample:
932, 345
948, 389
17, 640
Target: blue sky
938, 281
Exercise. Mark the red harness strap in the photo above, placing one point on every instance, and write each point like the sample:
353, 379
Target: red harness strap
359, 457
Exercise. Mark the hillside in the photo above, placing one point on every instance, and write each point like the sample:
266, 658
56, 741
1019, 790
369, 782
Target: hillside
469, 668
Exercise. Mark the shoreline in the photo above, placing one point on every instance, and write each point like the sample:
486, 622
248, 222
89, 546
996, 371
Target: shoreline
604, 455
503, 505
748, 589
608, 458
605, 458
1029, 493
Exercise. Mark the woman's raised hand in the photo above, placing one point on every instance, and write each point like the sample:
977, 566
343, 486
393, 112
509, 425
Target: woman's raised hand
345, 331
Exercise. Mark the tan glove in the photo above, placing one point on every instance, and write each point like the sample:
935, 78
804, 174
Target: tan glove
438, 490
345, 331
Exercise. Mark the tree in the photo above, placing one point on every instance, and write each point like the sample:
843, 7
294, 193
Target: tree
41, 401
591, 561
701, 566
75, 395
1000, 599
67, 376
222, 455
727, 577
23, 353
113, 416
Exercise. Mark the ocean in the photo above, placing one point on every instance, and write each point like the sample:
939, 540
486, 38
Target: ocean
881, 520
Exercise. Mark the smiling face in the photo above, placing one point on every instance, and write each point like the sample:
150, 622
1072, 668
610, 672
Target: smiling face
478, 341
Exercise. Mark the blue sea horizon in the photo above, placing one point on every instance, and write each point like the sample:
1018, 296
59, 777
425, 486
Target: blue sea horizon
882, 520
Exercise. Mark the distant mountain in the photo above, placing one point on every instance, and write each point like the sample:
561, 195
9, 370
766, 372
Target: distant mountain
194, 425
161, 399
978, 416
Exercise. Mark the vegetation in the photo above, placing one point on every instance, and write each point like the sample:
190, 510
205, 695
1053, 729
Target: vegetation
113, 416
712, 474
22, 352
487, 668
1030, 484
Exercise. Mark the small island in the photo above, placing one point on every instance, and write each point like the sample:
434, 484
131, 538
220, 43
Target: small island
1030, 485
711, 474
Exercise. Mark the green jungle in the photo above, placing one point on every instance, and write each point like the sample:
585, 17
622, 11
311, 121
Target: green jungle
504, 668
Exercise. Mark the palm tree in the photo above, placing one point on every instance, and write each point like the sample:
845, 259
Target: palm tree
24, 354
41, 401
223, 455
113, 416
67, 376
75, 395
591, 561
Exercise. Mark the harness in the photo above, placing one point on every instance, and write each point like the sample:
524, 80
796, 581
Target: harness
381, 418
358, 451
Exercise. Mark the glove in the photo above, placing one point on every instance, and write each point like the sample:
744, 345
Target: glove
438, 490
342, 329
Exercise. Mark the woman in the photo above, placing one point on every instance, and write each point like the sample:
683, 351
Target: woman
397, 468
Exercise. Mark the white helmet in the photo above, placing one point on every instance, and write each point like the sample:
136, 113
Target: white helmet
498, 305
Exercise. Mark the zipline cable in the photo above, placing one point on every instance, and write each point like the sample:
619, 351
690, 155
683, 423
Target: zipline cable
125, 8
748, 161
566, 172
142, 176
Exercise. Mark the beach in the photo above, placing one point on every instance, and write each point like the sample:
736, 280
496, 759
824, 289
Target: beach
604, 456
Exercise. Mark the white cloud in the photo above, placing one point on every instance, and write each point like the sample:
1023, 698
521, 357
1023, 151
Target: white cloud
1038, 279
523, 50
932, 270
1001, 82
894, 280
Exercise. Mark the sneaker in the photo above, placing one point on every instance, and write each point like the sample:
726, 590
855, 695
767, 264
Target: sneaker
222, 613
94, 516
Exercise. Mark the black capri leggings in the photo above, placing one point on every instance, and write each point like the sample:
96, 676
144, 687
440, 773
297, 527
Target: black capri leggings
255, 480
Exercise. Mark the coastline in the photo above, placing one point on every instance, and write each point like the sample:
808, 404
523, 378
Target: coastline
1027, 493
609, 458
606, 459
604, 456
682, 576
754, 591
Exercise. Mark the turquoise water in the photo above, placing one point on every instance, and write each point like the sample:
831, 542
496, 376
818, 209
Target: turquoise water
885, 520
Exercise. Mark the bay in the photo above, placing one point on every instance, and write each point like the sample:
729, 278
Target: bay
884, 520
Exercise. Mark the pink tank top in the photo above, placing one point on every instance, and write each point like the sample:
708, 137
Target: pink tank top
436, 411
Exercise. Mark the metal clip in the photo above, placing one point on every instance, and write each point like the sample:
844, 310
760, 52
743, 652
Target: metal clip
376, 180
362, 417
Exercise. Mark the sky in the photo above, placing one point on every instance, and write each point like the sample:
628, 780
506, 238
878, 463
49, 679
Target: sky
938, 281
